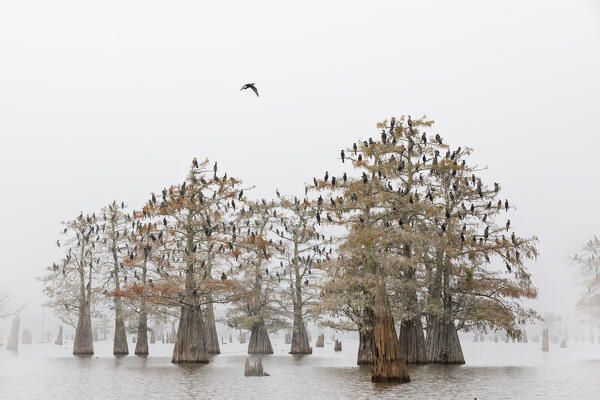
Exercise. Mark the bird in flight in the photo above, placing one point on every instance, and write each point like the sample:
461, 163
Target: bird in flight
250, 86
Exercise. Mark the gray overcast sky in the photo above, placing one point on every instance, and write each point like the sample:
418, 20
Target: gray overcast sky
111, 100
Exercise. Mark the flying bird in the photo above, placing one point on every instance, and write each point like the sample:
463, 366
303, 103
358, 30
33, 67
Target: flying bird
250, 86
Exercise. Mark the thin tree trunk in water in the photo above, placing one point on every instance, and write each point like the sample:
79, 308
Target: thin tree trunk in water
153, 336
443, 345
141, 346
388, 363
13, 339
412, 341
59, 336
259, 340
83, 343
212, 340
120, 346
300, 344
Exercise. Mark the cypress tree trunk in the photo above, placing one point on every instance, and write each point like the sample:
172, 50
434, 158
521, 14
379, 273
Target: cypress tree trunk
152, 336
300, 344
120, 346
412, 341
190, 345
388, 363
212, 340
13, 339
83, 344
411, 336
259, 340
443, 345
141, 346
365, 339
59, 336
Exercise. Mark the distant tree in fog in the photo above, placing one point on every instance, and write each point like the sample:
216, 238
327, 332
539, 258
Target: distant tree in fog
254, 268
588, 264
71, 284
302, 247
4, 300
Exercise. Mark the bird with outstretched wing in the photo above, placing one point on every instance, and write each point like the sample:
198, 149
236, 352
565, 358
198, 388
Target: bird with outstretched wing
250, 86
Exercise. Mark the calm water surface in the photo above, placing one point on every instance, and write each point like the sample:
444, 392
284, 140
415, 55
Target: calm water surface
494, 371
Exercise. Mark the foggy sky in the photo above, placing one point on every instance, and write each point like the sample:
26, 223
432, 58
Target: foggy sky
111, 100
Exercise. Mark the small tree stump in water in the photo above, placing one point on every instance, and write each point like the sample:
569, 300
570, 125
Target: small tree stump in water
337, 346
59, 340
26, 337
545, 339
254, 369
320, 341
13, 339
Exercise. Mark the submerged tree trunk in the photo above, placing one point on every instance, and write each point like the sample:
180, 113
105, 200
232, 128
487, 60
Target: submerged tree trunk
259, 340
141, 346
365, 339
388, 363
443, 345
59, 336
83, 343
300, 344
13, 339
412, 341
212, 340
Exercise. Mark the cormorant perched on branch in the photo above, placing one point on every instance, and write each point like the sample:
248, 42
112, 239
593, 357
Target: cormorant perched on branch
223, 276
250, 86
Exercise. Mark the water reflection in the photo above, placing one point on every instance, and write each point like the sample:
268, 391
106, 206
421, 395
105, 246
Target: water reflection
495, 371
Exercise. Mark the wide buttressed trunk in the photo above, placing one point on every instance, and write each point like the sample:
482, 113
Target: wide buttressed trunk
120, 346
59, 336
300, 343
412, 341
141, 346
365, 338
212, 340
13, 339
259, 340
190, 345
388, 362
443, 345
365, 347
83, 343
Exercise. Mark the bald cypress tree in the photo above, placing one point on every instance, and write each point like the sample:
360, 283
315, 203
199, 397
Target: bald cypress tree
193, 216
70, 283
254, 299
301, 249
